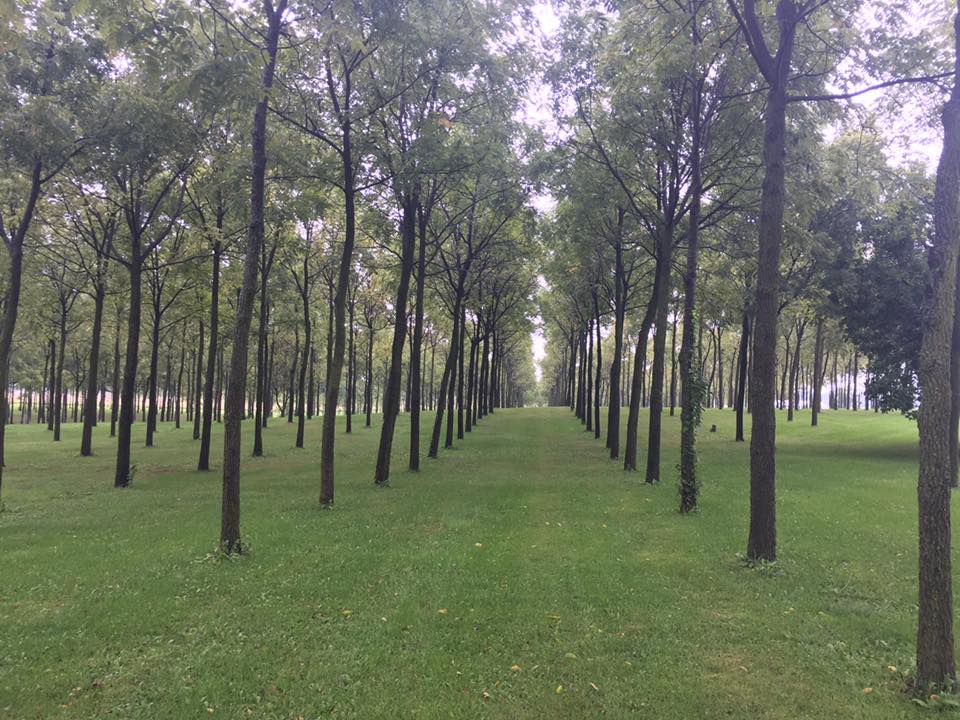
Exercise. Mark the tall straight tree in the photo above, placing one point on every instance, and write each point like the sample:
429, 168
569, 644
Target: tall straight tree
55, 55
774, 66
89, 237
936, 656
206, 425
337, 109
236, 386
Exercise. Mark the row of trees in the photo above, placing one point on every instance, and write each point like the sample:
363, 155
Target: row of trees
214, 170
679, 150
343, 188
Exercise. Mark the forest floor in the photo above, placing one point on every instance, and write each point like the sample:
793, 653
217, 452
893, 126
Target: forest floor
521, 575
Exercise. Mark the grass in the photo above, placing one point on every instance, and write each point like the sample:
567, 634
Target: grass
521, 575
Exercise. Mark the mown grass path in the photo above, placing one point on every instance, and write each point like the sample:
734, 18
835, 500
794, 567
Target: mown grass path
521, 575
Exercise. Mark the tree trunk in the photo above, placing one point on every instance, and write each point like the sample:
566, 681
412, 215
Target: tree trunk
742, 364
460, 378
351, 367
664, 266
818, 370
59, 410
263, 391
673, 365
391, 395
307, 331
338, 318
446, 380
598, 382
206, 428
115, 386
936, 662
471, 382
11, 305
128, 391
762, 540
416, 344
230, 508
198, 386
368, 386
636, 395
183, 359
588, 376
152, 377
690, 386
90, 406
794, 372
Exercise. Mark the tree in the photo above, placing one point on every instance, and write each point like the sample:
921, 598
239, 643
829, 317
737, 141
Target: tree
936, 661
233, 404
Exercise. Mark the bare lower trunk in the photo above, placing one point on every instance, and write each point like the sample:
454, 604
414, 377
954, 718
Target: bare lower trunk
206, 428
230, 506
128, 391
636, 383
336, 350
416, 345
263, 391
391, 395
664, 266
690, 389
762, 541
152, 380
305, 361
11, 305
90, 405
936, 662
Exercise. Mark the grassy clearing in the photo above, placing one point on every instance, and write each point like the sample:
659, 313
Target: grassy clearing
521, 575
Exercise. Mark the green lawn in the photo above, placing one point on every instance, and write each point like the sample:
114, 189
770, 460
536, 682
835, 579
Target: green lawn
521, 575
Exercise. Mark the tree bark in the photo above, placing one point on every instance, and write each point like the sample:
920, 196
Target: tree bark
128, 390
598, 381
690, 396
90, 406
818, 370
338, 317
59, 408
460, 371
115, 386
206, 427
636, 384
762, 540
416, 345
446, 379
198, 386
152, 376
307, 331
230, 506
664, 267
11, 305
936, 661
391, 395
